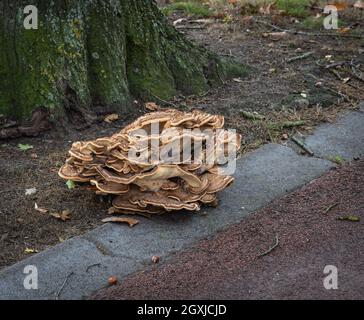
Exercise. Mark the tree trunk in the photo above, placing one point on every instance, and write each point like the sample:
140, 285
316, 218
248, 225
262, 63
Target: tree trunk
97, 55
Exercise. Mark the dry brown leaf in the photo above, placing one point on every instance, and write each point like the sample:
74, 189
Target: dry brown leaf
340, 6
266, 10
111, 118
130, 221
359, 4
247, 19
41, 210
64, 215
343, 30
151, 106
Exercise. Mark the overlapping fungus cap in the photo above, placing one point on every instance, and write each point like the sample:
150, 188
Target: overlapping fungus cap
145, 185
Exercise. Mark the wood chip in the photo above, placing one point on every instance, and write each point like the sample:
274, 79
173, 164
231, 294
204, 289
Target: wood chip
130, 221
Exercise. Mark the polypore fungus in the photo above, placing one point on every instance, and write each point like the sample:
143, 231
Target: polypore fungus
164, 161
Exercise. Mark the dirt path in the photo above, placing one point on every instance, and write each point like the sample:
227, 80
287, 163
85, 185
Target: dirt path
229, 265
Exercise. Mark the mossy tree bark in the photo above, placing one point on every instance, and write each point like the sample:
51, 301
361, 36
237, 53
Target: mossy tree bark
97, 55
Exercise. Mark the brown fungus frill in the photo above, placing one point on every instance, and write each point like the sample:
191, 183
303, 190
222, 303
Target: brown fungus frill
185, 174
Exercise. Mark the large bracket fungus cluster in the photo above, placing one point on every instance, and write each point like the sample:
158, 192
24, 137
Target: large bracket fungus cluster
164, 161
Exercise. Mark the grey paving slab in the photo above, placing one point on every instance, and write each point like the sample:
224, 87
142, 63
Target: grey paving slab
76, 260
345, 138
261, 177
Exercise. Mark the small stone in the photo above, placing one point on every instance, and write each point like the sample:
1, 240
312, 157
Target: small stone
30, 192
301, 103
112, 281
155, 259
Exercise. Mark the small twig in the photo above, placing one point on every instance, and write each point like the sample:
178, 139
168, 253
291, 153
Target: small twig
92, 265
303, 146
302, 56
271, 248
63, 284
164, 101
331, 207
356, 36
336, 64
190, 27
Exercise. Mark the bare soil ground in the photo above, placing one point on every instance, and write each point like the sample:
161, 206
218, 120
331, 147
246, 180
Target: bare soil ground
246, 262
276, 89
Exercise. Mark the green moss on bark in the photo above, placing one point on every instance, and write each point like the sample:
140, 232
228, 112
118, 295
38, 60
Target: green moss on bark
104, 52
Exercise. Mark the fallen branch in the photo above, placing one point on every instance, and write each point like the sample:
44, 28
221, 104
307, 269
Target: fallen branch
355, 36
303, 146
302, 56
271, 248
191, 27
336, 64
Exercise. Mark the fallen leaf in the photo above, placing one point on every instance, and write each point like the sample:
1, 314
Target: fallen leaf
349, 218
151, 106
247, 19
31, 191
266, 10
340, 6
155, 259
346, 80
111, 118
41, 210
64, 215
112, 281
30, 250
70, 184
130, 221
359, 4
343, 30
25, 147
